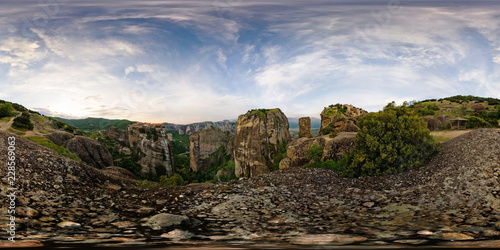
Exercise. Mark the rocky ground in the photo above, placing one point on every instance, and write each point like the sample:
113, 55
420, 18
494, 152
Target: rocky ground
452, 201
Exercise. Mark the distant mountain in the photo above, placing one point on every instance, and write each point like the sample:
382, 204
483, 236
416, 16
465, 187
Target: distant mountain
293, 122
95, 123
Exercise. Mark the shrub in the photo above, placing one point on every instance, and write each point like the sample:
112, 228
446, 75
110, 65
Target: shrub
160, 170
478, 107
329, 164
6, 110
23, 122
388, 142
175, 180
477, 122
315, 152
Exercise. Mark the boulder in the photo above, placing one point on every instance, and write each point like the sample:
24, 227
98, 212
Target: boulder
333, 149
305, 127
204, 143
88, 150
259, 133
340, 118
165, 220
338, 146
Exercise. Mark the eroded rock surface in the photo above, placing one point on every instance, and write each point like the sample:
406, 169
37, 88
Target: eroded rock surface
258, 135
203, 143
340, 118
90, 151
305, 127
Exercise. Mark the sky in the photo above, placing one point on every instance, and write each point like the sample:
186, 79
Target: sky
210, 60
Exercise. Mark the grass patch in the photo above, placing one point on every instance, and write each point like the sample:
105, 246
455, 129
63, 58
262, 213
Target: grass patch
145, 184
59, 149
441, 139
17, 132
5, 119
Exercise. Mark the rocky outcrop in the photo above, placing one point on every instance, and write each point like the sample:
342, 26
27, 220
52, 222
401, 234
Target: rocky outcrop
117, 134
88, 150
258, 136
340, 118
305, 127
196, 127
333, 149
155, 150
204, 143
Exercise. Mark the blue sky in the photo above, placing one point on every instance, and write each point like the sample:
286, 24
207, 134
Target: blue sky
190, 61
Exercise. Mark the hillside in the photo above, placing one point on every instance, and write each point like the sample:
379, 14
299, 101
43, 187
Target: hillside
93, 124
480, 112
452, 198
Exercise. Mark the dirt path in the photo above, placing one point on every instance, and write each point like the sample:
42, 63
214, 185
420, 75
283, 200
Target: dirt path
7, 125
448, 135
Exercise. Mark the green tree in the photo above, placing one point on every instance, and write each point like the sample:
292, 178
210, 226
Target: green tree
23, 122
175, 180
388, 142
6, 110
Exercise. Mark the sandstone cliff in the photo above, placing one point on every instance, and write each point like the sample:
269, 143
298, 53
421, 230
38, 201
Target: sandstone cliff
340, 118
196, 127
259, 134
204, 143
305, 127
90, 151
333, 149
155, 150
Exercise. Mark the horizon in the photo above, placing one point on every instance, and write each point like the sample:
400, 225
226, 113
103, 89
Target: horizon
184, 62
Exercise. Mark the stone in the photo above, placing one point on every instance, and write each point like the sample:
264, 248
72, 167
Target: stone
123, 224
455, 236
178, 235
339, 146
425, 232
69, 224
258, 136
205, 142
165, 220
305, 127
326, 239
27, 212
369, 204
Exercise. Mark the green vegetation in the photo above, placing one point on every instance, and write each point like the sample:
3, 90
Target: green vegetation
477, 122
6, 110
49, 144
145, 184
94, 124
261, 113
475, 99
329, 164
129, 165
314, 153
388, 142
175, 180
23, 122
428, 109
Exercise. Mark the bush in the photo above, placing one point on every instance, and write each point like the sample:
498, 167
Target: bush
314, 153
330, 164
6, 110
23, 122
477, 122
175, 180
388, 142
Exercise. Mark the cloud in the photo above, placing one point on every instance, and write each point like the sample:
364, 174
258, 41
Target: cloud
19, 52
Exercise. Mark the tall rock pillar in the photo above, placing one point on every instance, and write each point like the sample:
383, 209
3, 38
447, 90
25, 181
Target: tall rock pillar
305, 127
259, 133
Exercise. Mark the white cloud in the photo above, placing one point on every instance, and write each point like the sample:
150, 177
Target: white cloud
19, 52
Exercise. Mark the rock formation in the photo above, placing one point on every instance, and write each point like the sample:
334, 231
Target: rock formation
258, 135
305, 127
204, 143
333, 149
195, 127
340, 118
90, 151
151, 142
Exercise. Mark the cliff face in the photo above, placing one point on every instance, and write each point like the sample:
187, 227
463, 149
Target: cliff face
258, 135
305, 127
90, 151
205, 142
340, 118
196, 127
154, 148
